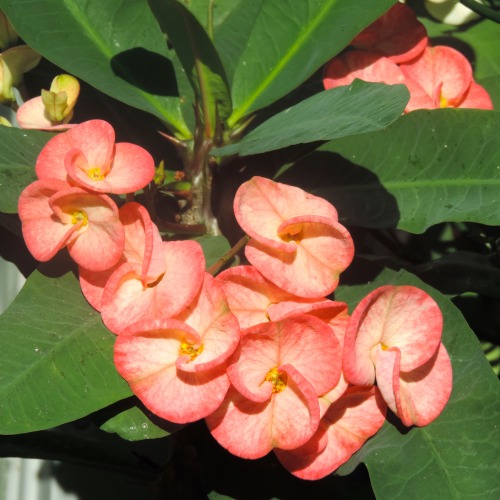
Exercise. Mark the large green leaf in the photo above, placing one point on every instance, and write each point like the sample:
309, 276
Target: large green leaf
56, 361
199, 59
427, 167
19, 151
456, 456
355, 109
284, 42
116, 46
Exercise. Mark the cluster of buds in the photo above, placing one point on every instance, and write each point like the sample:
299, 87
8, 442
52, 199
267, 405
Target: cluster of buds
260, 352
395, 50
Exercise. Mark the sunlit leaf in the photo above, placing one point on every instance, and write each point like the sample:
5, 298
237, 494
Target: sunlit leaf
56, 361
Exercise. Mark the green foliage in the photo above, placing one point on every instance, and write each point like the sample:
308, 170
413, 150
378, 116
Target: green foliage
116, 46
339, 112
56, 357
20, 149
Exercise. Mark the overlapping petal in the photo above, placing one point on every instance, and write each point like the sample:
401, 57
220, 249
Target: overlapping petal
55, 215
126, 299
345, 427
87, 156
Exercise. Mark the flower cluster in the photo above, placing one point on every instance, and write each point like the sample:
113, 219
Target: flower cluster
395, 50
260, 352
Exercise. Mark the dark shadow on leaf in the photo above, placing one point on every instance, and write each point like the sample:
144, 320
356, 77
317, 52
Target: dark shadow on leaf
149, 71
356, 193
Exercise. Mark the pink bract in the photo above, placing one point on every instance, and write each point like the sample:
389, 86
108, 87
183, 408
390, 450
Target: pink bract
394, 337
398, 35
87, 156
55, 215
142, 249
344, 428
178, 368
278, 371
296, 240
127, 298
31, 115
446, 76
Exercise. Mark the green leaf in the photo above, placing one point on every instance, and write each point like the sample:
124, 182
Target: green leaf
214, 247
136, 425
456, 456
427, 167
115, 46
199, 58
56, 361
287, 41
355, 109
20, 149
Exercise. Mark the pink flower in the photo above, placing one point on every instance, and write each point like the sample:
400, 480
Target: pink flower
142, 249
55, 215
87, 156
128, 297
177, 367
398, 35
446, 77
296, 240
394, 337
54, 108
344, 428
278, 371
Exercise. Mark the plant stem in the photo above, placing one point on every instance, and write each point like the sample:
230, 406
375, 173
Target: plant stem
215, 268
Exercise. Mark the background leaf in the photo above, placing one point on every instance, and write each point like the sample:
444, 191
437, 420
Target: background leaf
19, 151
135, 424
199, 58
427, 167
56, 361
115, 46
456, 455
343, 111
286, 42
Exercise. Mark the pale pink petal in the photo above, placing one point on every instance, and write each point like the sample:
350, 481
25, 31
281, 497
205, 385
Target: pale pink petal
126, 300
348, 423
398, 34
249, 294
476, 97
304, 342
98, 242
218, 328
287, 420
261, 205
92, 283
95, 140
444, 73
367, 66
312, 270
424, 392
147, 354
404, 317
133, 168
387, 373
44, 232
143, 243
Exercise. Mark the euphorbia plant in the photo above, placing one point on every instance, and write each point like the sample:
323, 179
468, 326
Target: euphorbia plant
300, 201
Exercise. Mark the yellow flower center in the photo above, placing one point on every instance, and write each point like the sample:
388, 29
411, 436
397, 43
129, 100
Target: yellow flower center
95, 174
443, 102
79, 216
294, 233
278, 379
191, 351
